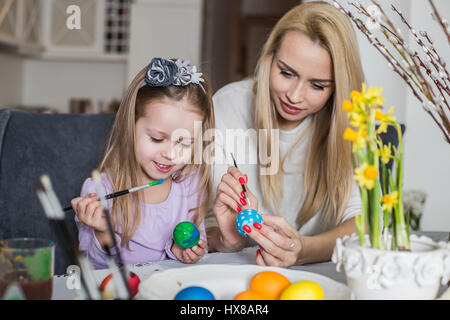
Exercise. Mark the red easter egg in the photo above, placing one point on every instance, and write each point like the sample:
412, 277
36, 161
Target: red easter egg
107, 286
133, 283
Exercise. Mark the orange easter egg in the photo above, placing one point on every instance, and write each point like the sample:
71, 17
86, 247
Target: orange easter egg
269, 284
249, 295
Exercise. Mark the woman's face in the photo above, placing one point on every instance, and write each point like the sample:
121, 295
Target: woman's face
164, 137
301, 79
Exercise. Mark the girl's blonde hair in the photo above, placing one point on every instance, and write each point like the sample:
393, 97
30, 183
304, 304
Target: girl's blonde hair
328, 176
119, 160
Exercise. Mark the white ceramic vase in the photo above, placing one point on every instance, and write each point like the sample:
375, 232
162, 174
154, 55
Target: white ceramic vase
374, 274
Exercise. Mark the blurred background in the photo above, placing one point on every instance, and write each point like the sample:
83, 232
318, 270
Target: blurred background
60, 56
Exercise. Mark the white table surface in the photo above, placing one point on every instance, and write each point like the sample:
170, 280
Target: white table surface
246, 256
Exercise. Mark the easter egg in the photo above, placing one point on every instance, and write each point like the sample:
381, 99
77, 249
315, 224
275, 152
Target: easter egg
247, 217
186, 234
303, 290
109, 292
133, 283
269, 284
249, 295
194, 293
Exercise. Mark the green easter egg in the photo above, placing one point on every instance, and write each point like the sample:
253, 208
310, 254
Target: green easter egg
186, 234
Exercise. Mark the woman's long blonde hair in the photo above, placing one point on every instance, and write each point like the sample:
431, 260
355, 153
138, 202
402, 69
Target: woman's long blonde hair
328, 176
119, 160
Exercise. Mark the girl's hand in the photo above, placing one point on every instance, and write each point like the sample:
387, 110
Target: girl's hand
280, 243
191, 255
230, 200
89, 211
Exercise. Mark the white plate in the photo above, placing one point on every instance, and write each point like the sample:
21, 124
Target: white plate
226, 281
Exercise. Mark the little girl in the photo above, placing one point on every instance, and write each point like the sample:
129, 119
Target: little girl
152, 138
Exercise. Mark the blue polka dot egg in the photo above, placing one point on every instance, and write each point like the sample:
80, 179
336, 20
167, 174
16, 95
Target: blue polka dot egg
247, 217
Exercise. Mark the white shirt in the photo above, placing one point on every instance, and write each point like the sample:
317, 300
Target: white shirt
233, 107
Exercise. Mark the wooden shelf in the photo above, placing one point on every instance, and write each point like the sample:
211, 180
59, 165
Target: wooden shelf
83, 57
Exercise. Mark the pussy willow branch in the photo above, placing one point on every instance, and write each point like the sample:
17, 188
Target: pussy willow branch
434, 60
441, 22
433, 96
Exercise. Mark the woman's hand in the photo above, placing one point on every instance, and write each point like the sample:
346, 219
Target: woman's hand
230, 200
280, 243
191, 255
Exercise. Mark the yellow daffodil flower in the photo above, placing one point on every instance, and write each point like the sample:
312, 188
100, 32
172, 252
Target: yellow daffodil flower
347, 106
357, 98
366, 175
384, 119
385, 153
358, 138
389, 200
350, 135
358, 120
372, 96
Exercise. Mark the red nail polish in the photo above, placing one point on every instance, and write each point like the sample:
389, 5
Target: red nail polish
243, 201
242, 194
257, 225
241, 180
247, 229
258, 251
238, 209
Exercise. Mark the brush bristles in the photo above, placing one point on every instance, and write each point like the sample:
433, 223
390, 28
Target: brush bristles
45, 203
96, 175
99, 188
46, 183
52, 199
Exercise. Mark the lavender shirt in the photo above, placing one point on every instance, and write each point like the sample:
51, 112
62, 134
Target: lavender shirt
153, 238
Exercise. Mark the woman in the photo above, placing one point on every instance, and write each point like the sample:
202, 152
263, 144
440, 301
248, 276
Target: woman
308, 66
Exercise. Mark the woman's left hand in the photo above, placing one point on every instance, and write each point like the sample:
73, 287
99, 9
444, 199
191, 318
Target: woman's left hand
280, 243
191, 255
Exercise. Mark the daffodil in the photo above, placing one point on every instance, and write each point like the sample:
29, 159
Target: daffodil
384, 119
357, 97
357, 137
350, 135
385, 153
364, 113
389, 200
366, 176
347, 106
372, 96
358, 120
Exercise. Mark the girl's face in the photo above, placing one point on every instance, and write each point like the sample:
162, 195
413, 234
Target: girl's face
301, 79
164, 137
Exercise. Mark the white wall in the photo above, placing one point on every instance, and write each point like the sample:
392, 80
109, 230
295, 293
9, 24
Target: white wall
164, 28
427, 156
376, 70
11, 69
53, 83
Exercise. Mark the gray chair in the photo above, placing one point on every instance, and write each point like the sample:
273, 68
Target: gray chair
67, 147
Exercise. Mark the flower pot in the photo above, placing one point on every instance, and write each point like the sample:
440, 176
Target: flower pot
374, 274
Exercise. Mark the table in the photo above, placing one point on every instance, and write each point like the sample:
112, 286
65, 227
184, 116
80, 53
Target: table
246, 256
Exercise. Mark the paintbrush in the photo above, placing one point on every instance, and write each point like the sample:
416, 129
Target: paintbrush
55, 214
243, 186
123, 192
121, 282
